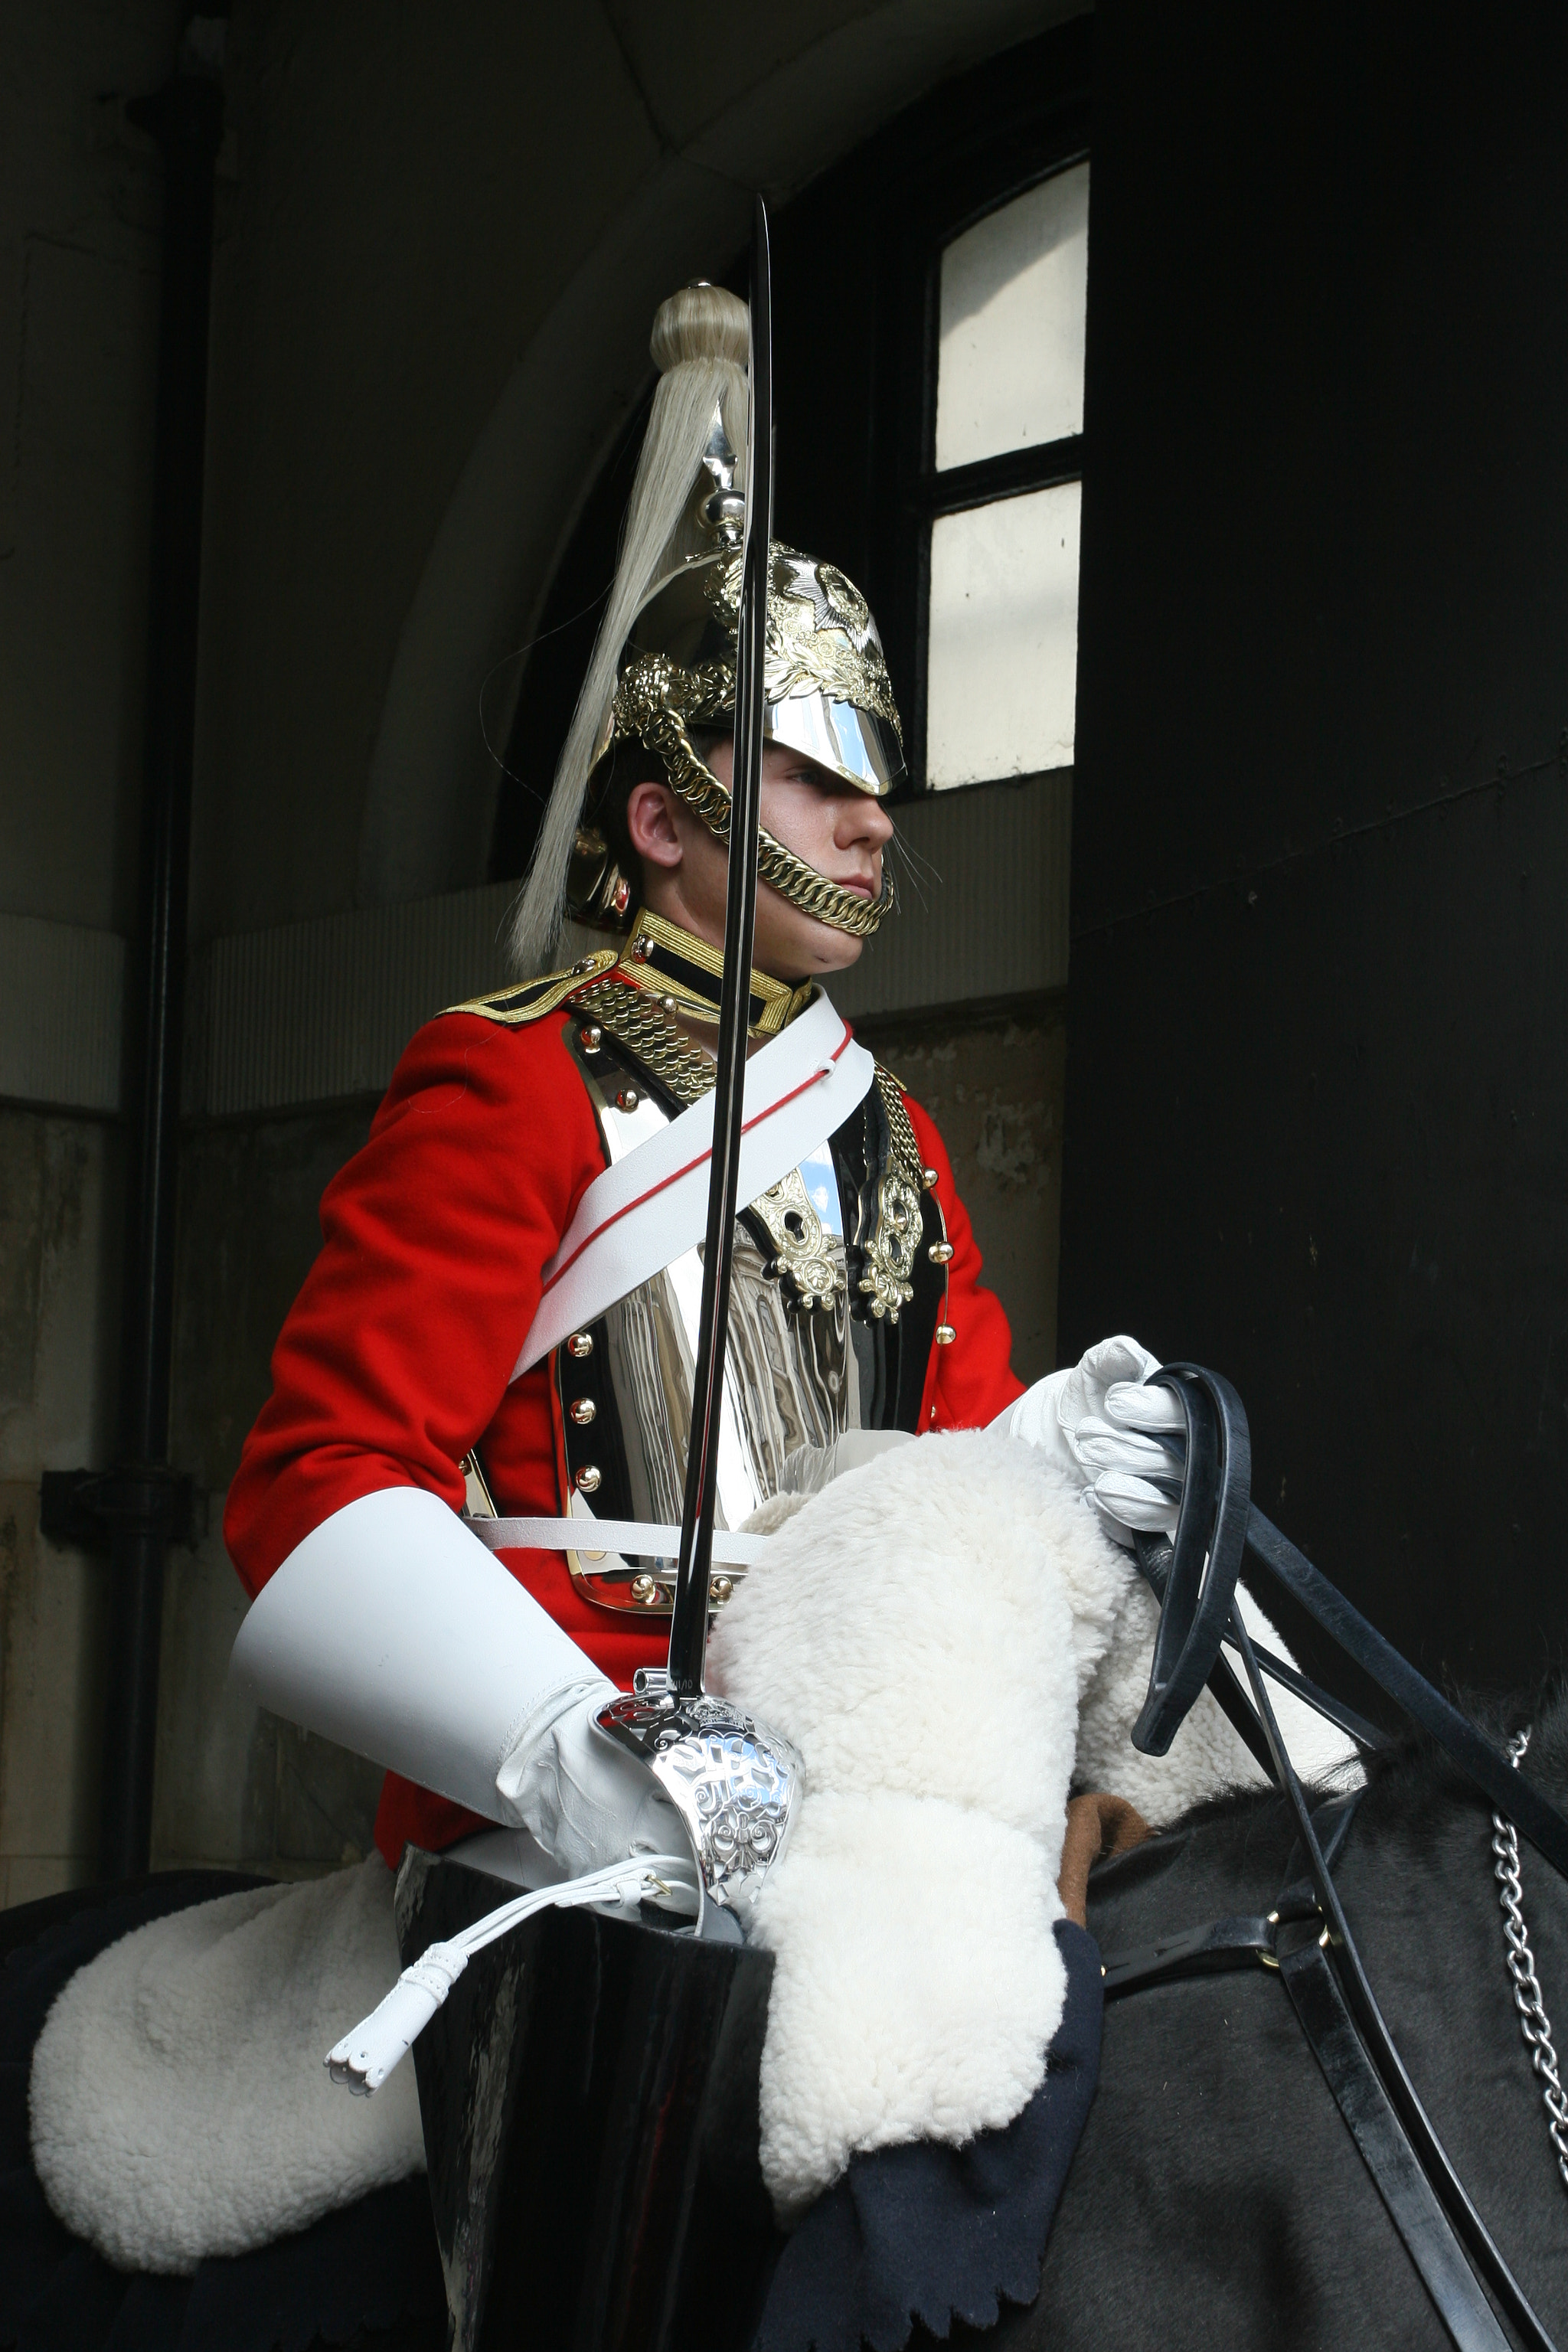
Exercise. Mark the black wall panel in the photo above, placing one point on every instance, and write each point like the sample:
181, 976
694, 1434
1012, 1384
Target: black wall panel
1317, 1127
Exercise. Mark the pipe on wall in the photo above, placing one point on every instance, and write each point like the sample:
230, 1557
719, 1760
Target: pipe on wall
146, 1501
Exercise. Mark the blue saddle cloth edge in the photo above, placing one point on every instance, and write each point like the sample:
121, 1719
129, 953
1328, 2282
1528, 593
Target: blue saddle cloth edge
930, 2233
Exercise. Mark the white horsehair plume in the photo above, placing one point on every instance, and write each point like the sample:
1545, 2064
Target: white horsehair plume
699, 344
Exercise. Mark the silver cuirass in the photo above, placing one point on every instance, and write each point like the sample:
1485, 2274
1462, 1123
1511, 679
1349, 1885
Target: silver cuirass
801, 1369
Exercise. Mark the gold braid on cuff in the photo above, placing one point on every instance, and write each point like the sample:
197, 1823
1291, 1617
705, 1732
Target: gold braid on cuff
657, 701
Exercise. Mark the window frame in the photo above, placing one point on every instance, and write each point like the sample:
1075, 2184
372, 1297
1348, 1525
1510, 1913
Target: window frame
978, 182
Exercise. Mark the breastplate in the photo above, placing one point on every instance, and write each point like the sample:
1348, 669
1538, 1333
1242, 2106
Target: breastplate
836, 1286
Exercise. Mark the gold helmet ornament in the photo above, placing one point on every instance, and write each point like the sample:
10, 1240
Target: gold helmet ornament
671, 632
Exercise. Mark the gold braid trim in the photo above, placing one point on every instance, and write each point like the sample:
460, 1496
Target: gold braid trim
530, 1000
657, 701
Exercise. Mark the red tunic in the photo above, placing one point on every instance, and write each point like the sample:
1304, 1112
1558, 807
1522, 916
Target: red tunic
396, 1357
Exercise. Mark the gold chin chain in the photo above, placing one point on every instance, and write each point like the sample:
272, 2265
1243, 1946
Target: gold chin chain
791, 876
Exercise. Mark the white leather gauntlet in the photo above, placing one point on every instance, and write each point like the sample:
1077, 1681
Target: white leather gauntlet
392, 1631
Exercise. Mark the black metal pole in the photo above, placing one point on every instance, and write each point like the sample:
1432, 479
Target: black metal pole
187, 117
689, 1618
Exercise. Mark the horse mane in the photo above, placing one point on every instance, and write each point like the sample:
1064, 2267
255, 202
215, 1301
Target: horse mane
1414, 1776
1412, 1781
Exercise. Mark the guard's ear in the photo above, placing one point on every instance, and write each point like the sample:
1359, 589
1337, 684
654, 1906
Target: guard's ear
652, 827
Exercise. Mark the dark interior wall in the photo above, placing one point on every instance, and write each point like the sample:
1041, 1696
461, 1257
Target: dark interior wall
1316, 1123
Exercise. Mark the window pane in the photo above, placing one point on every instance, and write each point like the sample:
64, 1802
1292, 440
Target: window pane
1010, 359
1001, 679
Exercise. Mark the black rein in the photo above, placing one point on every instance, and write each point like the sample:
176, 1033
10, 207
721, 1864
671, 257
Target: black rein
1446, 2239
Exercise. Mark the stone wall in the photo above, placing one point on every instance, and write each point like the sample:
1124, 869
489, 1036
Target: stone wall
233, 1785
58, 1178
440, 238
995, 1084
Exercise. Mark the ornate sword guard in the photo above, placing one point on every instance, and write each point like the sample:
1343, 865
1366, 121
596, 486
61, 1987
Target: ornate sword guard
736, 1785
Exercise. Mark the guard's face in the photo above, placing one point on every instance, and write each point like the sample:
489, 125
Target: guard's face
840, 830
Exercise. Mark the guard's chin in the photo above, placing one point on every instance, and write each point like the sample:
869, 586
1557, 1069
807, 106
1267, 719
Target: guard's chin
837, 950
801, 947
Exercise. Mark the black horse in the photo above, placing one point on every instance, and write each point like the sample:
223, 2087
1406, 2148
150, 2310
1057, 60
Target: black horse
1216, 2199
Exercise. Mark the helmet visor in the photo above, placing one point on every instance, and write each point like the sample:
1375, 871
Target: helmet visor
840, 737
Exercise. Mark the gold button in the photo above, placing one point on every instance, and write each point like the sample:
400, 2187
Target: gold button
583, 1410
628, 1100
581, 1343
719, 1590
590, 1037
928, 1178
589, 1479
579, 968
940, 1252
645, 1590
945, 1336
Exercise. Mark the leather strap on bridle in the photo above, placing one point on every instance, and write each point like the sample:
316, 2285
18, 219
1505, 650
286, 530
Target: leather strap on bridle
1326, 1981
1375, 2127
1369, 2114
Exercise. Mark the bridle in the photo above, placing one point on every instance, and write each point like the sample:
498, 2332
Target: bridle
1307, 1937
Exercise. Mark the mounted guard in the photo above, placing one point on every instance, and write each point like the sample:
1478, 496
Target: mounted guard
751, 1999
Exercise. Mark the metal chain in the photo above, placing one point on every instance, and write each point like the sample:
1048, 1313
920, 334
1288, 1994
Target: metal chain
1535, 2024
640, 1022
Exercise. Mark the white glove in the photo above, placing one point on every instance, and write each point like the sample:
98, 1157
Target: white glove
586, 1800
1095, 1422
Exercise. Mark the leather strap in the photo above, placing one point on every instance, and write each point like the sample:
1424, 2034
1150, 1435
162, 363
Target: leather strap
1244, 1941
1211, 1529
628, 1539
1475, 1755
1154, 1554
1217, 1433
1207, 1394
1232, 1943
1237, 1942
1378, 2133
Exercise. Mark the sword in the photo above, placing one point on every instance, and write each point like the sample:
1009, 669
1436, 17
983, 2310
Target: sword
735, 1784
689, 1618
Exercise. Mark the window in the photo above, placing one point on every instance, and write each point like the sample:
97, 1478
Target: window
1001, 489
928, 391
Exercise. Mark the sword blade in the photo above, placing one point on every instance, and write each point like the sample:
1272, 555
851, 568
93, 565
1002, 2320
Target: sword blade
688, 1621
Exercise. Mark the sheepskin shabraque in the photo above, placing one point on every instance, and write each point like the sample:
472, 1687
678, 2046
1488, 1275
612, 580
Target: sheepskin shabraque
949, 1638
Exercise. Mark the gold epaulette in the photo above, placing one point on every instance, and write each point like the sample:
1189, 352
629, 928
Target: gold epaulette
530, 1000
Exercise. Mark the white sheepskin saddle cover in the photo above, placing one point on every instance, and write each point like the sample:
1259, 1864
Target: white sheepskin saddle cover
950, 1640
953, 1641
179, 2104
